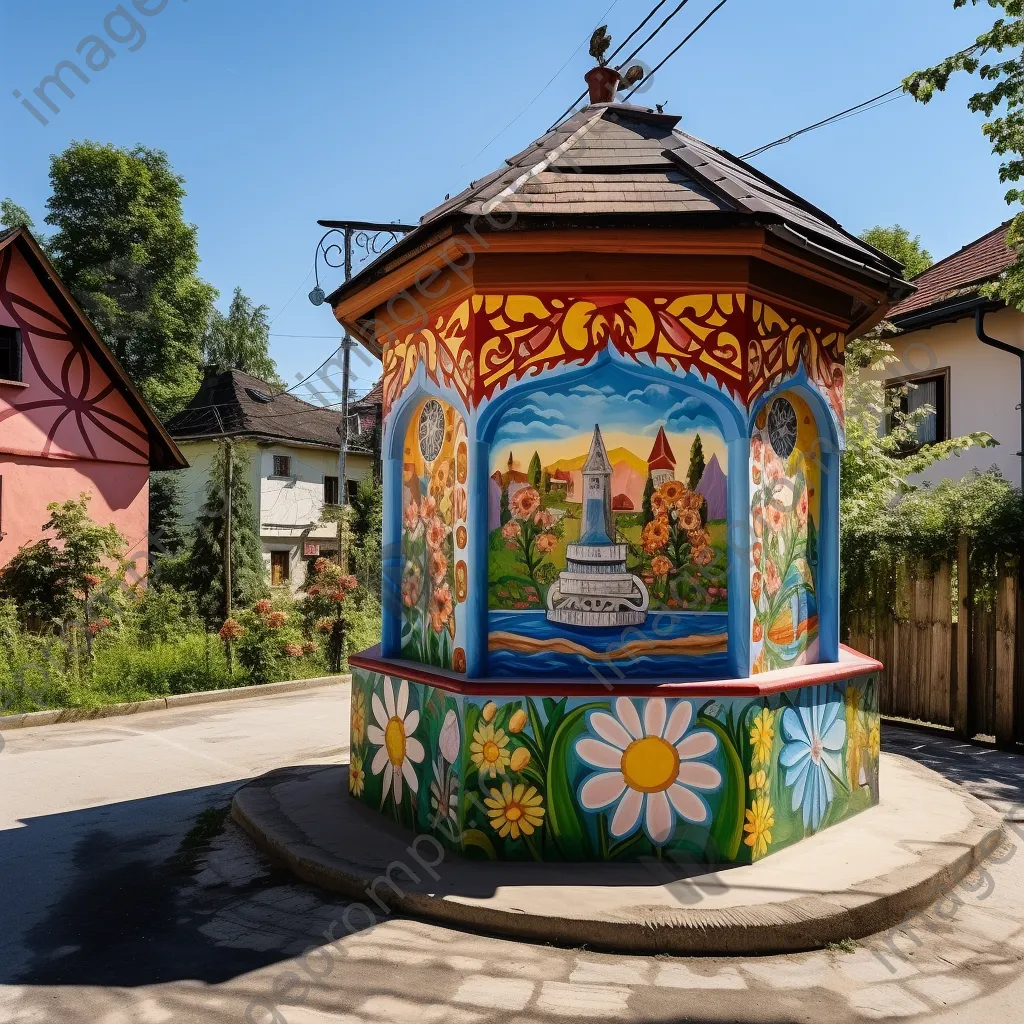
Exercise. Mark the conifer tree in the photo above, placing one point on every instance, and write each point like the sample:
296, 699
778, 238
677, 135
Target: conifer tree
534, 472
648, 511
696, 470
204, 569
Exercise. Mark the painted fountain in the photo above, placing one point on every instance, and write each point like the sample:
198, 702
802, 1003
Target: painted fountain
613, 393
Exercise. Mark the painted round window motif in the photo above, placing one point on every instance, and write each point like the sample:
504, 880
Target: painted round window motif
782, 427
431, 432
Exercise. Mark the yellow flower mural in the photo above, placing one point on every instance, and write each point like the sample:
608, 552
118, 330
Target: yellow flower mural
762, 735
489, 750
515, 810
760, 821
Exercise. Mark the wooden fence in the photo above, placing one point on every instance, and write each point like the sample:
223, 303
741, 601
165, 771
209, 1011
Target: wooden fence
953, 655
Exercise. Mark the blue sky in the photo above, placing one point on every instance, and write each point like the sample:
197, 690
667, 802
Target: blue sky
278, 114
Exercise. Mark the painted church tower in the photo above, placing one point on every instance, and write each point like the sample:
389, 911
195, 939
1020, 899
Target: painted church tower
661, 463
595, 590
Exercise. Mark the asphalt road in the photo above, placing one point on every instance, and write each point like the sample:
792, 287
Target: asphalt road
126, 897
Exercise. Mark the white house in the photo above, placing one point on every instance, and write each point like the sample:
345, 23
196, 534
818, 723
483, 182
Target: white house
970, 386
293, 468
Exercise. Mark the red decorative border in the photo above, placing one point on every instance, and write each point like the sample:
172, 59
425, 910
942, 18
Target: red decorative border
851, 664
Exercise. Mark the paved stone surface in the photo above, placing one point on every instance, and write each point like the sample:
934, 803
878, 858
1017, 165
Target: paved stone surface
854, 879
107, 921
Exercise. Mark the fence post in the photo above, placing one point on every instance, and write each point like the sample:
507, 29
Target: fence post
961, 707
1006, 643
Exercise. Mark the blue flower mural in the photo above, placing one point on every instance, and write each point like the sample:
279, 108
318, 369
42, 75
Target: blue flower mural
815, 734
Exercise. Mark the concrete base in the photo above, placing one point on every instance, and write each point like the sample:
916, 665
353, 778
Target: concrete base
859, 877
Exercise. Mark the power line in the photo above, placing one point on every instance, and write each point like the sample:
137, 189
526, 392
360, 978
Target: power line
889, 96
859, 108
622, 45
685, 40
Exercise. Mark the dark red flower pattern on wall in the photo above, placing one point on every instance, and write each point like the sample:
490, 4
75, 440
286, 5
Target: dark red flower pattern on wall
70, 393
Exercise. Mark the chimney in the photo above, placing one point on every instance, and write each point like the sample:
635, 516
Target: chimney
603, 83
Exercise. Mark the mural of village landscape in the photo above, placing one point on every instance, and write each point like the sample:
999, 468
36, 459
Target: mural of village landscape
608, 538
434, 535
701, 780
785, 507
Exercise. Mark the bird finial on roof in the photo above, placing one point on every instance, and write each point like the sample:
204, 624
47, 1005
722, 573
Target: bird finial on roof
599, 43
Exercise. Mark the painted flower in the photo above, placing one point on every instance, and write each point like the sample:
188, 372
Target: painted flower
444, 794
652, 771
520, 759
511, 530
461, 503
773, 469
449, 741
755, 472
544, 519
776, 516
758, 515
703, 556
772, 580
660, 565
459, 659
658, 504
393, 734
356, 775
875, 738
428, 510
758, 826
440, 608
655, 535
515, 810
517, 722
411, 516
688, 519
671, 491
524, 502
803, 507
438, 566
762, 734
755, 587
756, 449
489, 750
814, 731
490, 709
462, 462
412, 585
436, 533
699, 538
757, 552
546, 543
358, 717
439, 478
757, 633
758, 780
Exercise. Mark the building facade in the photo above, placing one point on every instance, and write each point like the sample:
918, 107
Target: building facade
71, 422
291, 465
969, 386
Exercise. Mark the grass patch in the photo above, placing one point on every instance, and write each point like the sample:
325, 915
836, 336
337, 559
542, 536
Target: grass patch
843, 946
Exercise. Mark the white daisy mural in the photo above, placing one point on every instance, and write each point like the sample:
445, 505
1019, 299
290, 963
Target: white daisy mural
652, 772
393, 734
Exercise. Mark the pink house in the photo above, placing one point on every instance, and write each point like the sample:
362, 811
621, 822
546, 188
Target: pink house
70, 419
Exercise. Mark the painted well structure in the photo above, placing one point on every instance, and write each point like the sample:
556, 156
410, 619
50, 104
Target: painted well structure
613, 394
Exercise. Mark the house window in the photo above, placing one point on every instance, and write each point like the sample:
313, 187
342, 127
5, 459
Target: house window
330, 490
352, 486
282, 465
907, 395
10, 353
280, 570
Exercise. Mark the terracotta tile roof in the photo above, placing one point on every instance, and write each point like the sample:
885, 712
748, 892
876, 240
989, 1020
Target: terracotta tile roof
235, 404
959, 275
375, 396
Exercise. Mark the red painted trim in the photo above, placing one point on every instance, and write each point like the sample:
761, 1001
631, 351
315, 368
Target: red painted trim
851, 664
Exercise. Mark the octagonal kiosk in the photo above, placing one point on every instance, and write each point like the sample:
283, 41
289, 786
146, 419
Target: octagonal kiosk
613, 395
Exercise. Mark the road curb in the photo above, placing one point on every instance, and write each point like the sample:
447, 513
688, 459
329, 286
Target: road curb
62, 716
789, 926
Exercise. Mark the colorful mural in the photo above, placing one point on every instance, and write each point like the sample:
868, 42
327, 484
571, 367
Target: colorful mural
742, 344
434, 535
598, 527
699, 780
785, 480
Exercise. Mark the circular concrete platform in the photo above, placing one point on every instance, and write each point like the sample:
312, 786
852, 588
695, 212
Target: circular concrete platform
856, 878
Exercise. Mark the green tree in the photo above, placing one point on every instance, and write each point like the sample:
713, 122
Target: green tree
696, 470
534, 472
897, 243
545, 482
241, 340
123, 248
367, 526
1002, 103
203, 569
647, 509
14, 216
505, 512
51, 578
166, 534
